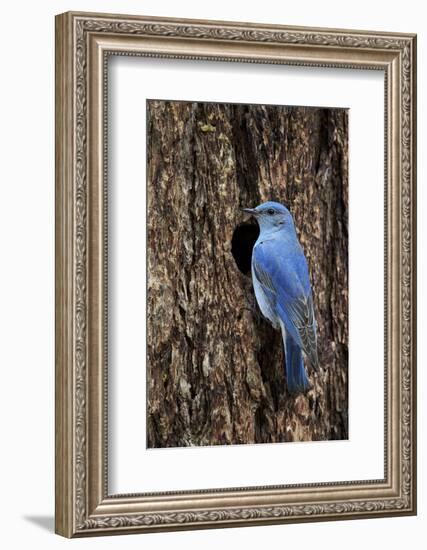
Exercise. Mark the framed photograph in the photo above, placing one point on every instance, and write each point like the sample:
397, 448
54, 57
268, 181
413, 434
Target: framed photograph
235, 274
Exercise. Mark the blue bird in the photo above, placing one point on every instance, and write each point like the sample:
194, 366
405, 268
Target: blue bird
282, 288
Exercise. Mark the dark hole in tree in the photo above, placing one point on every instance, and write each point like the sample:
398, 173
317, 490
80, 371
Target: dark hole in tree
242, 243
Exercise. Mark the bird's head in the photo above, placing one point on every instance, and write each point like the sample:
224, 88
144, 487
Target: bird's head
271, 216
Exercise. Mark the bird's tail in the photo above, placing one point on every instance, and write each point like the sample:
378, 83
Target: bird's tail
296, 376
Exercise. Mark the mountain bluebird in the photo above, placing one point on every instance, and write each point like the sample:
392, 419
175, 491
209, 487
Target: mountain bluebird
282, 288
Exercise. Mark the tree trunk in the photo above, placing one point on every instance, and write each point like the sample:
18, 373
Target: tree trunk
215, 366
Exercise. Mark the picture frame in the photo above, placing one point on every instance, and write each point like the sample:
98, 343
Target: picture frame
84, 42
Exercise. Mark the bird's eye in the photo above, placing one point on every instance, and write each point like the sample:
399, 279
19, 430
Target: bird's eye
270, 211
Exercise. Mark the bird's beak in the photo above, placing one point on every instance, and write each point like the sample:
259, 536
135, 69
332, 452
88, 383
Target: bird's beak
250, 211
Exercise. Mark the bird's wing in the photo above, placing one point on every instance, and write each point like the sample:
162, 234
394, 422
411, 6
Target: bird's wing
263, 276
287, 279
265, 295
301, 314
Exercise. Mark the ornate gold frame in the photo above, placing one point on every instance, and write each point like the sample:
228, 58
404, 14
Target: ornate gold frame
83, 42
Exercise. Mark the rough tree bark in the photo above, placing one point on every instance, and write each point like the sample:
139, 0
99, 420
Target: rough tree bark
214, 365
